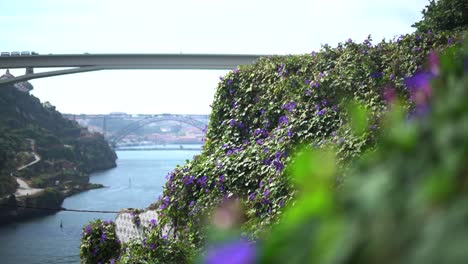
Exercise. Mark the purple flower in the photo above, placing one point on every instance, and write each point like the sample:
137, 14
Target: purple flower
202, 181
308, 92
283, 120
280, 70
236, 70
320, 75
321, 112
259, 141
265, 150
266, 192
231, 91
103, 238
151, 246
278, 165
289, 133
376, 75
88, 229
267, 162
237, 252
314, 84
281, 203
165, 203
112, 261
232, 122
313, 53
192, 203
188, 180
350, 40
229, 82
289, 106
153, 222
450, 41
222, 178
307, 82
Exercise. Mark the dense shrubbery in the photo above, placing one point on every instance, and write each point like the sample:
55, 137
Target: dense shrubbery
444, 15
99, 243
338, 101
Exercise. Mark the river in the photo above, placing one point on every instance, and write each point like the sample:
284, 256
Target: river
136, 182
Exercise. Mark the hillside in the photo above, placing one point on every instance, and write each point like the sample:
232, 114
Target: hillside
67, 152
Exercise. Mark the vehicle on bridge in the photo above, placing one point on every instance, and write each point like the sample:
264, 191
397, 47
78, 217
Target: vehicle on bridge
15, 53
5, 54
25, 53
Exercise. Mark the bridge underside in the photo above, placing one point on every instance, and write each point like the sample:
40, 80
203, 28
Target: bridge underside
97, 62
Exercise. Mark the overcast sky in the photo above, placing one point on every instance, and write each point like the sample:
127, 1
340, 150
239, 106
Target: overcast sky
175, 26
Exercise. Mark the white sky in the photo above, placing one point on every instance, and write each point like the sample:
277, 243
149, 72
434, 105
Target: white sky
174, 26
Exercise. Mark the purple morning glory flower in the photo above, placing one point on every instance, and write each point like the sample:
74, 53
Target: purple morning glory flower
229, 82
266, 192
222, 178
289, 106
202, 181
283, 120
112, 261
267, 162
450, 41
237, 252
314, 84
376, 75
103, 238
88, 229
236, 70
321, 112
281, 203
153, 222
290, 133
165, 203
151, 246
307, 82
313, 53
252, 196
280, 70
320, 75
308, 92
192, 203
265, 150
232, 122
278, 165
259, 141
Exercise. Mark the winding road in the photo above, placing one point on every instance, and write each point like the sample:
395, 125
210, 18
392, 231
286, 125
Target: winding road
24, 189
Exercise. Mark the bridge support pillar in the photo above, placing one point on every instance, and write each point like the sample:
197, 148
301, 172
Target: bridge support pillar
29, 70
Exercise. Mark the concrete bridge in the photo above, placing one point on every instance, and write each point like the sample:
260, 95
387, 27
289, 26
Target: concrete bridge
97, 62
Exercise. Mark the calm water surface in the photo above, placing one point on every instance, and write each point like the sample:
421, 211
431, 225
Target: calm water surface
135, 182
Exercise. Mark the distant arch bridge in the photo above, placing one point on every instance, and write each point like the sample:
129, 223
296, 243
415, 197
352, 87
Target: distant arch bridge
123, 132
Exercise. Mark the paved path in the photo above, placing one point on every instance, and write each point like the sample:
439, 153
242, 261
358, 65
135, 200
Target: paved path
24, 188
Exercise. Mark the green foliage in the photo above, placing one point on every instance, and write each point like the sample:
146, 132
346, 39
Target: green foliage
403, 203
99, 243
444, 15
157, 248
262, 111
